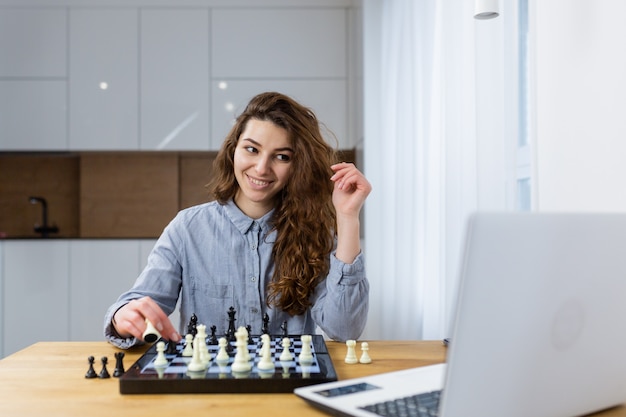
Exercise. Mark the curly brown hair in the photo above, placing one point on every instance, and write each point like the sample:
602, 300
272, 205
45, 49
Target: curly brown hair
304, 216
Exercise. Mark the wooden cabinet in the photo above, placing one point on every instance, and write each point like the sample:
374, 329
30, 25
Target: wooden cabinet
103, 82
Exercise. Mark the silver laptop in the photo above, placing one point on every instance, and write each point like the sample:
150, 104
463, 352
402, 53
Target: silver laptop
539, 329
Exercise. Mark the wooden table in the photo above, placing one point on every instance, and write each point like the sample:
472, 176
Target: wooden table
48, 379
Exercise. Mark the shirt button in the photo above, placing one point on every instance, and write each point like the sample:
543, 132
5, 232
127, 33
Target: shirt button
253, 279
253, 246
254, 310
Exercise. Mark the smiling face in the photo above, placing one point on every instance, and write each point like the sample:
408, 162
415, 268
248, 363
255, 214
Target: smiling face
262, 163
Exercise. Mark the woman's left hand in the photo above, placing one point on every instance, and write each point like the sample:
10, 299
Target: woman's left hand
351, 189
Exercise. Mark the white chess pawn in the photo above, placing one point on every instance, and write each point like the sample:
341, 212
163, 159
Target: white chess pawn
160, 360
286, 355
365, 356
188, 350
222, 354
351, 354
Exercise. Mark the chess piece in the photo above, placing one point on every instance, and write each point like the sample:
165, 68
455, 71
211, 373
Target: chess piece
222, 354
91, 373
188, 349
351, 354
241, 363
160, 360
205, 356
213, 338
151, 334
266, 324
306, 357
284, 329
365, 357
196, 364
119, 364
192, 325
266, 364
104, 373
286, 355
230, 333
171, 347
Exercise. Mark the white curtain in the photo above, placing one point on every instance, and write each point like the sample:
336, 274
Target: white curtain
421, 156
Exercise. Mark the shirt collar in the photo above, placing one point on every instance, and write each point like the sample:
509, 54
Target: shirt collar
244, 223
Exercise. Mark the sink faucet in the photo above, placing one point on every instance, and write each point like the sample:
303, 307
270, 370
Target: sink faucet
44, 229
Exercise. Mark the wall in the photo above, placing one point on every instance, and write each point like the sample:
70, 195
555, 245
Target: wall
580, 62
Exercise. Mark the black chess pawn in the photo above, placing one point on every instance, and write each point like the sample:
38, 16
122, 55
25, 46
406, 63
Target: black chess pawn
91, 373
172, 347
213, 338
119, 364
283, 327
266, 326
192, 327
104, 373
250, 339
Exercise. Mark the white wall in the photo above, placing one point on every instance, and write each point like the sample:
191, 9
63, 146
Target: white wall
580, 104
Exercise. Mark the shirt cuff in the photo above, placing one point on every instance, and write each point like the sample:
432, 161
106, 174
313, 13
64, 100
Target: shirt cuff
347, 274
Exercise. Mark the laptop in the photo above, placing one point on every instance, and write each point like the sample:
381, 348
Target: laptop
539, 328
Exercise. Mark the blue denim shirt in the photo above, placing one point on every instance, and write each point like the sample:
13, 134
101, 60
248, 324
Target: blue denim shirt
213, 256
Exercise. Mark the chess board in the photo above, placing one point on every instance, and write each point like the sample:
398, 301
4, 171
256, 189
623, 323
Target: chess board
143, 377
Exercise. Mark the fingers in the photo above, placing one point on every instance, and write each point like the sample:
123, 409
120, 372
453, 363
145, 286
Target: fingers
131, 320
347, 178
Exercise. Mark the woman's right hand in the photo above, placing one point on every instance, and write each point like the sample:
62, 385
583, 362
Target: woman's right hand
130, 320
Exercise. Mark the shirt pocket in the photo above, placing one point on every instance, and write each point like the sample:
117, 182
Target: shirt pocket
212, 290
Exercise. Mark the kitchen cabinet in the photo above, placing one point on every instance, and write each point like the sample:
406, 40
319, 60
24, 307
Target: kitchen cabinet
327, 98
35, 297
174, 79
103, 80
311, 64
33, 42
33, 114
59, 289
100, 270
33, 79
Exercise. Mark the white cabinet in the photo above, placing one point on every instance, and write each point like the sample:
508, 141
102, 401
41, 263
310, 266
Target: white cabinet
174, 78
100, 270
58, 290
33, 115
327, 98
33, 79
251, 54
35, 297
103, 79
279, 43
33, 42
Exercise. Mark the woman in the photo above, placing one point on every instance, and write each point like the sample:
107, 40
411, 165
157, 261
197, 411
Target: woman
281, 239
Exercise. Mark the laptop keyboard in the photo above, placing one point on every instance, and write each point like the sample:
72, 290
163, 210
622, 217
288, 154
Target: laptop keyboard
419, 405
